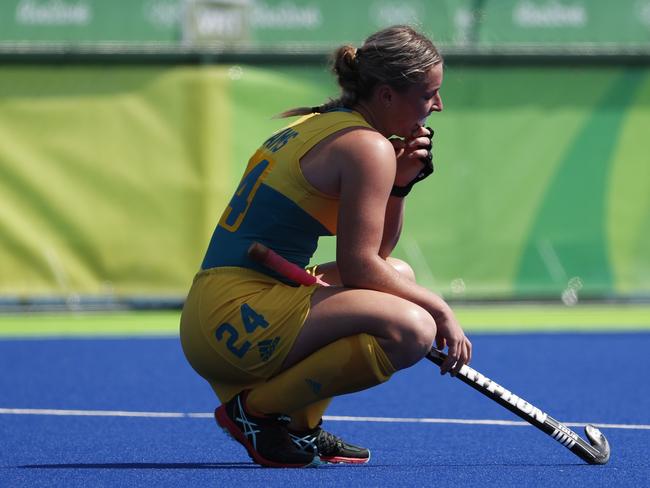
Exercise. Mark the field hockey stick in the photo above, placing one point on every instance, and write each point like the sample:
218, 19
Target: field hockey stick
596, 451
273, 261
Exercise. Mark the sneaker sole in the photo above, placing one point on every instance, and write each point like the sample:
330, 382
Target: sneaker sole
344, 460
231, 429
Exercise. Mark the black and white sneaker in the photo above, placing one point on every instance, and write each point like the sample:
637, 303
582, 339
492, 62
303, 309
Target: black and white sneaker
329, 448
265, 438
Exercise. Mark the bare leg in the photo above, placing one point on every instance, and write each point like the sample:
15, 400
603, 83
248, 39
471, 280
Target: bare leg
404, 330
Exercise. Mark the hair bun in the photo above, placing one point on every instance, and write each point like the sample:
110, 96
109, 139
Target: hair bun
349, 56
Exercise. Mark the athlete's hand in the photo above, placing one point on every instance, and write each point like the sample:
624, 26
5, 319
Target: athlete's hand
409, 151
450, 334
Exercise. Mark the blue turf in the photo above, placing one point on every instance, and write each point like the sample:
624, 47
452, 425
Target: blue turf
595, 377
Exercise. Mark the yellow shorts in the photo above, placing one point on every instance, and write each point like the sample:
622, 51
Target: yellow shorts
238, 326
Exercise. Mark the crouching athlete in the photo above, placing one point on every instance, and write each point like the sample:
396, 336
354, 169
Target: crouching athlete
276, 353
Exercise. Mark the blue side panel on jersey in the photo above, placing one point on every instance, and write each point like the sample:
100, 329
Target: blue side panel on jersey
273, 220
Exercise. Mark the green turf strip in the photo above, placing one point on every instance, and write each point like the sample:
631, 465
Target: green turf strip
498, 318
90, 324
536, 318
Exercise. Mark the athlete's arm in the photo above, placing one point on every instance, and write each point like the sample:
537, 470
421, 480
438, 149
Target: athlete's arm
408, 153
393, 221
366, 165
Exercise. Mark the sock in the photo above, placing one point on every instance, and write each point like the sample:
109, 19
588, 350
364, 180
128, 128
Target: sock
309, 417
347, 365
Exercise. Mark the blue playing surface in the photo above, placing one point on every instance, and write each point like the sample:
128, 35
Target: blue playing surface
601, 378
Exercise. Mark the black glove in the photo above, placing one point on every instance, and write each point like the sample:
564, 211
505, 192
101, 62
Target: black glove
427, 169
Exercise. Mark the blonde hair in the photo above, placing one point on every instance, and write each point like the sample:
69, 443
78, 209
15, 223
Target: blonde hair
397, 56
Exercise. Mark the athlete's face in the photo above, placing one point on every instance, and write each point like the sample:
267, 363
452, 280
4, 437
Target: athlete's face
409, 109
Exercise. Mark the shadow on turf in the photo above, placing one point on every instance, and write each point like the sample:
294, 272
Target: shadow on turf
143, 466
245, 465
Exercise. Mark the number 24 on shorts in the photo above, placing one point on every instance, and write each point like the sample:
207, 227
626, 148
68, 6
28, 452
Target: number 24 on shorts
251, 319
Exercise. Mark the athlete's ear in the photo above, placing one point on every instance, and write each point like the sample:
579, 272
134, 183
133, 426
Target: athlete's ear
385, 95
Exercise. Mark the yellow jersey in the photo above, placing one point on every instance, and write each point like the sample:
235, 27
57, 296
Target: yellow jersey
274, 204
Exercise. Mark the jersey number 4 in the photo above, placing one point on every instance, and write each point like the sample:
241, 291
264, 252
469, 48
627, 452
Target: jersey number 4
241, 200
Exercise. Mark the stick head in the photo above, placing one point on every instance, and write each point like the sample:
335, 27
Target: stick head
599, 443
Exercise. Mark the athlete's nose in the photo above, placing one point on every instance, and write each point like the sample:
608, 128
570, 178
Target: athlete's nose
437, 103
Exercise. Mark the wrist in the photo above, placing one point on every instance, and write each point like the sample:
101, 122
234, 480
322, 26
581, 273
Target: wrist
400, 191
405, 179
443, 313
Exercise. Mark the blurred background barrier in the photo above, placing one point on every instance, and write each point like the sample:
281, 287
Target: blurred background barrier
311, 24
125, 126
110, 179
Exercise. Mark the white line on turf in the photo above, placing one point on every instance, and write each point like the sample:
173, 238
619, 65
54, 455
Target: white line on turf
89, 413
515, 423
335, 418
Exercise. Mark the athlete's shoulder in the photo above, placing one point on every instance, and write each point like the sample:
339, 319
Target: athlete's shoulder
365, 144
334, 119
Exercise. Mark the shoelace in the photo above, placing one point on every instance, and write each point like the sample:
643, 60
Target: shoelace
328, 443
320, 442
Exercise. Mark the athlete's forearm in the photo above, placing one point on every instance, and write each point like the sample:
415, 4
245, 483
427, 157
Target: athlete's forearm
392, 226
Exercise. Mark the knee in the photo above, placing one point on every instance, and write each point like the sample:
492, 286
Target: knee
413, 336
403, 268
419, 327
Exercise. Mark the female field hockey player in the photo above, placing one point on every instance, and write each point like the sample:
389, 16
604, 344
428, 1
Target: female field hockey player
276, 353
